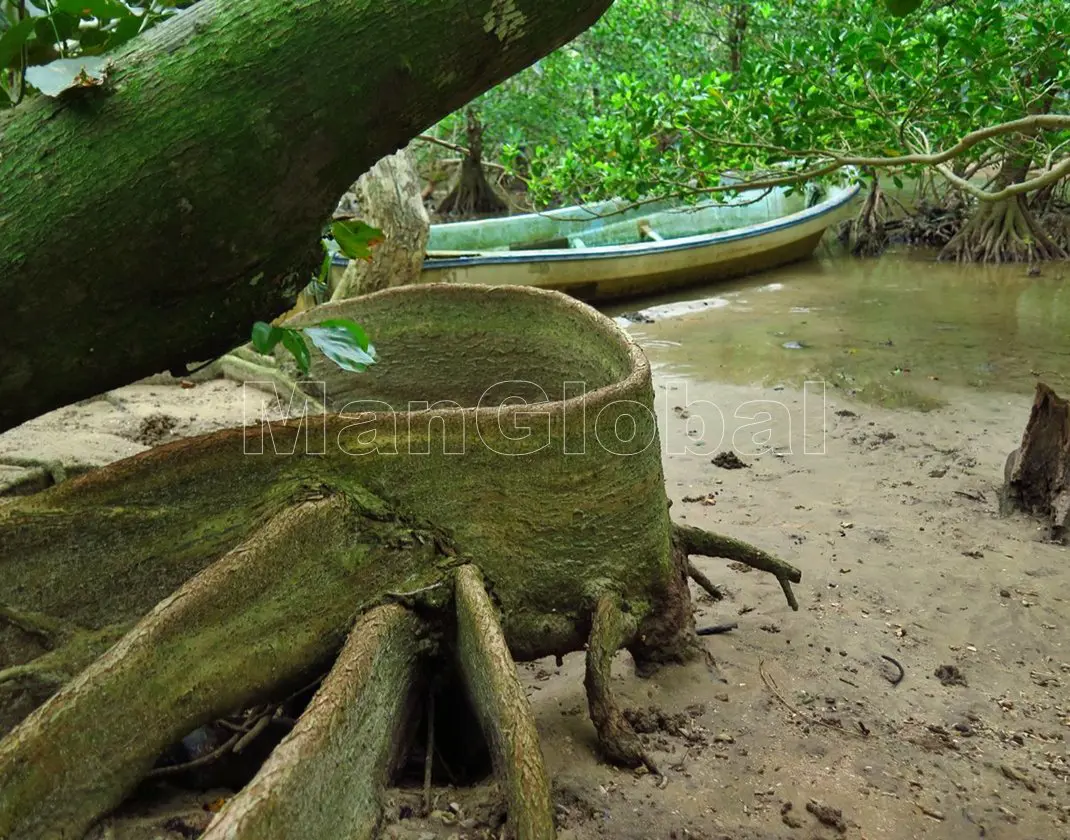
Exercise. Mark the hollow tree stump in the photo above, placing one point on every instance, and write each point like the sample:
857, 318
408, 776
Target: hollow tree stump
1037, 474
426, 521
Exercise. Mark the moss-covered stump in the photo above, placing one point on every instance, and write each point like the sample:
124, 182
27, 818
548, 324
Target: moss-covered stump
492, 491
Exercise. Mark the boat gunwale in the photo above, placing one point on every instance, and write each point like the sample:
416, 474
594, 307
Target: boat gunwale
437, 260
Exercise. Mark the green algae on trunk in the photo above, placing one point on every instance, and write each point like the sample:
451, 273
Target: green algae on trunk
150, 222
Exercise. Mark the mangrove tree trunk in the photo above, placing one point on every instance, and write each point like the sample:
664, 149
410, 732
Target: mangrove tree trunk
150, 221
429, 518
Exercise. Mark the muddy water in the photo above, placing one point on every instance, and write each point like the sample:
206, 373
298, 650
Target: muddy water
901, 330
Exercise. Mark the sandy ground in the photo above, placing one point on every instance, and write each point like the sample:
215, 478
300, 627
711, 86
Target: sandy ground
895, 527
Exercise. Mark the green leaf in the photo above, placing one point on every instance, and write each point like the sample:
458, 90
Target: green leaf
359, 336
902, 8
265, 337
340, 346
325, 267
124, 30
58, 26
11, 42
295, 343
356, 239
103, 10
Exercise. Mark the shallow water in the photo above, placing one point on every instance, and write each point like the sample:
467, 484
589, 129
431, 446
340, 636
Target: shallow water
901, 330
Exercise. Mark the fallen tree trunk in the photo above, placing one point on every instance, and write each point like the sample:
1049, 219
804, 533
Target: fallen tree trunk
1037, 473
233, 566
150, 222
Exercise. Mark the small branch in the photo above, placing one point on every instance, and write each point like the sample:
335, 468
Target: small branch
32, 673
770, 683
258, 727
840, 160
704, 582
429, 755
36, 624
207, 758
697, 541
453, 147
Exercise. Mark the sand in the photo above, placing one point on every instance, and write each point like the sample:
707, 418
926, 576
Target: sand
892, 517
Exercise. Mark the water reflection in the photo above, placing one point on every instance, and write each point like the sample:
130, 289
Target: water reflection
894, 330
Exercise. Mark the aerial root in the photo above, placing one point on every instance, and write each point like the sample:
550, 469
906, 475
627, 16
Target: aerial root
707, 544
43, 627
502, 708
325, 779
216, 644
38, 474
246, 366
611, 629
699, 577
1005, 231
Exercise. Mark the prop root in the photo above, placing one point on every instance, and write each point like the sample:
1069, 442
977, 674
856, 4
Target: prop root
611, 629
263, 615
326, 777
697, 541
503, 710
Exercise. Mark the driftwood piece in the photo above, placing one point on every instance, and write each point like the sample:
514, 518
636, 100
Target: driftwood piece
1037, 474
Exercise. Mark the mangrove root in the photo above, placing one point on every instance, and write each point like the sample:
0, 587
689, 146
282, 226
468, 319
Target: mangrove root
502, 708
265, 613
472, 194
163, 595
699, 577
326, 777
611, 629
697, 541
1003, 231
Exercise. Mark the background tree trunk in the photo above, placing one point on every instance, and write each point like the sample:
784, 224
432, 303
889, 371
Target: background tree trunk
1037, 473
149, 223
389, 198
472, 194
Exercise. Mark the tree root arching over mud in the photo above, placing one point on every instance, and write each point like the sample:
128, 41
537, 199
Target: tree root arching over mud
155, 596
1002, 231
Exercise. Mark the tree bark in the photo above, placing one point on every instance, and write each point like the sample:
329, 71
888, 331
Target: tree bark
149, 222
1037, 473
389, 198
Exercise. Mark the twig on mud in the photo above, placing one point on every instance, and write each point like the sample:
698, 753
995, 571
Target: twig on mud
207, 758
258, 727
895, 662
717, 628
403, 595
929, 812
429, 756
770, 683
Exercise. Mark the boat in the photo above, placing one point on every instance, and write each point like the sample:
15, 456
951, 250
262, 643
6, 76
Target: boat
614, 250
